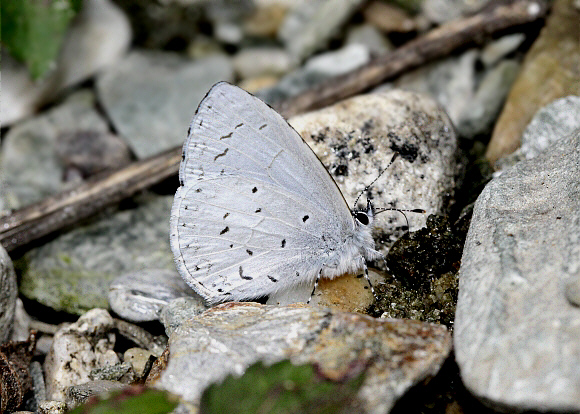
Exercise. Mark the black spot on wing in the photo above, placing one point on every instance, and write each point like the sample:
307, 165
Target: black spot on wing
249, 252
221, 155
225, 230
254, 190
297, 273
241, 271
263, 126
225, 215
198, 190
227, 136
239, 125
258, 210
306, 217
283, 243
272, 279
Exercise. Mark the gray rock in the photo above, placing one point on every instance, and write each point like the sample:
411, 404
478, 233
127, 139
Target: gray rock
8, 296
261, 61
21, 326
140, 296
480, 113
441, 11
315, 70
151, 96
122, 372
98, 37
494, 51
38, 382
53, 407
180, 310
452, 82
78, 394
73, 271
310, 26
516, 331
370, 37
228, 338
550, 124
77, 350
356, 139
32, 167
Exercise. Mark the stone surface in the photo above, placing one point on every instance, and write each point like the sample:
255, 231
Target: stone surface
228, 338
32, 167
252, 62
150, 97
8, 295
78, 394
452, 82
98, 37
38, 382
516, 331
550, 124
493, 52
549, 71
179, 310
441, 11
140, 296
78, 349
369, 37
388, 17
53, 407
73, 272
357, 138
315, 70
481, 112
308, 28
139, 359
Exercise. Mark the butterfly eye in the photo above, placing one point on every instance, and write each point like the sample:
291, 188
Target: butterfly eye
362, 218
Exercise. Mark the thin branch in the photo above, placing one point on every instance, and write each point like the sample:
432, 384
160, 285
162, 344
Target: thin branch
69, 207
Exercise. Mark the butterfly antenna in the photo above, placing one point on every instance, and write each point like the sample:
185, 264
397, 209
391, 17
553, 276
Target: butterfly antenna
395, 155
402, 211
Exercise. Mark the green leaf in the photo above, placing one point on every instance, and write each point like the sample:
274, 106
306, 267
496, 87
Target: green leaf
133, 400
33, 30
281, 388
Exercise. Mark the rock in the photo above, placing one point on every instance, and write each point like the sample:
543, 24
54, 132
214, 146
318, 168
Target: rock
549, 71
357, 138
315, 70
140, 296
310, 26
140, 359
98, 37
32, 168
79, 394
550, 124
77, 350
8, 296
73, 272
452, 82
261, 61
481, 112
492, 53
515, 328
228, 338
388, 18
441, 11
179, 310
121, 371
369, 37
38, 382
150, 97
21, 326
265, 20
53, 407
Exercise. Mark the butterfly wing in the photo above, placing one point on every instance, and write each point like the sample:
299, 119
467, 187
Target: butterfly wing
256, 211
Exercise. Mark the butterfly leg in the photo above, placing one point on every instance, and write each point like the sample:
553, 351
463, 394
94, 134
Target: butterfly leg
366, 270
315, 284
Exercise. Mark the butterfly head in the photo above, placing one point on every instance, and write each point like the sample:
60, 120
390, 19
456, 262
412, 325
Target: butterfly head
364, 217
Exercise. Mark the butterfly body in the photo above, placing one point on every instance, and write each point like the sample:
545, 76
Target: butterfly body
256, 212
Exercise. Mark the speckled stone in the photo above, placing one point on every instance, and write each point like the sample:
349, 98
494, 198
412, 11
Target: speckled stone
228, 338
516, 329
8, 295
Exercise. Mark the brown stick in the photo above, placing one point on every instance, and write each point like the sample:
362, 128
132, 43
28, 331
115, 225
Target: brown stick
64, 209
68, 207
437, 43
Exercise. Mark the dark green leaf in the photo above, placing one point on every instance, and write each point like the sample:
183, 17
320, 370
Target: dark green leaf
134, 400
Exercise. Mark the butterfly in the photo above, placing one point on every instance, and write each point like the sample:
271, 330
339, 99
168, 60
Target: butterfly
256, 212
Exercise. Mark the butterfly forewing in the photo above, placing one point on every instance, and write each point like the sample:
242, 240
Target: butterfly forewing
256, 211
